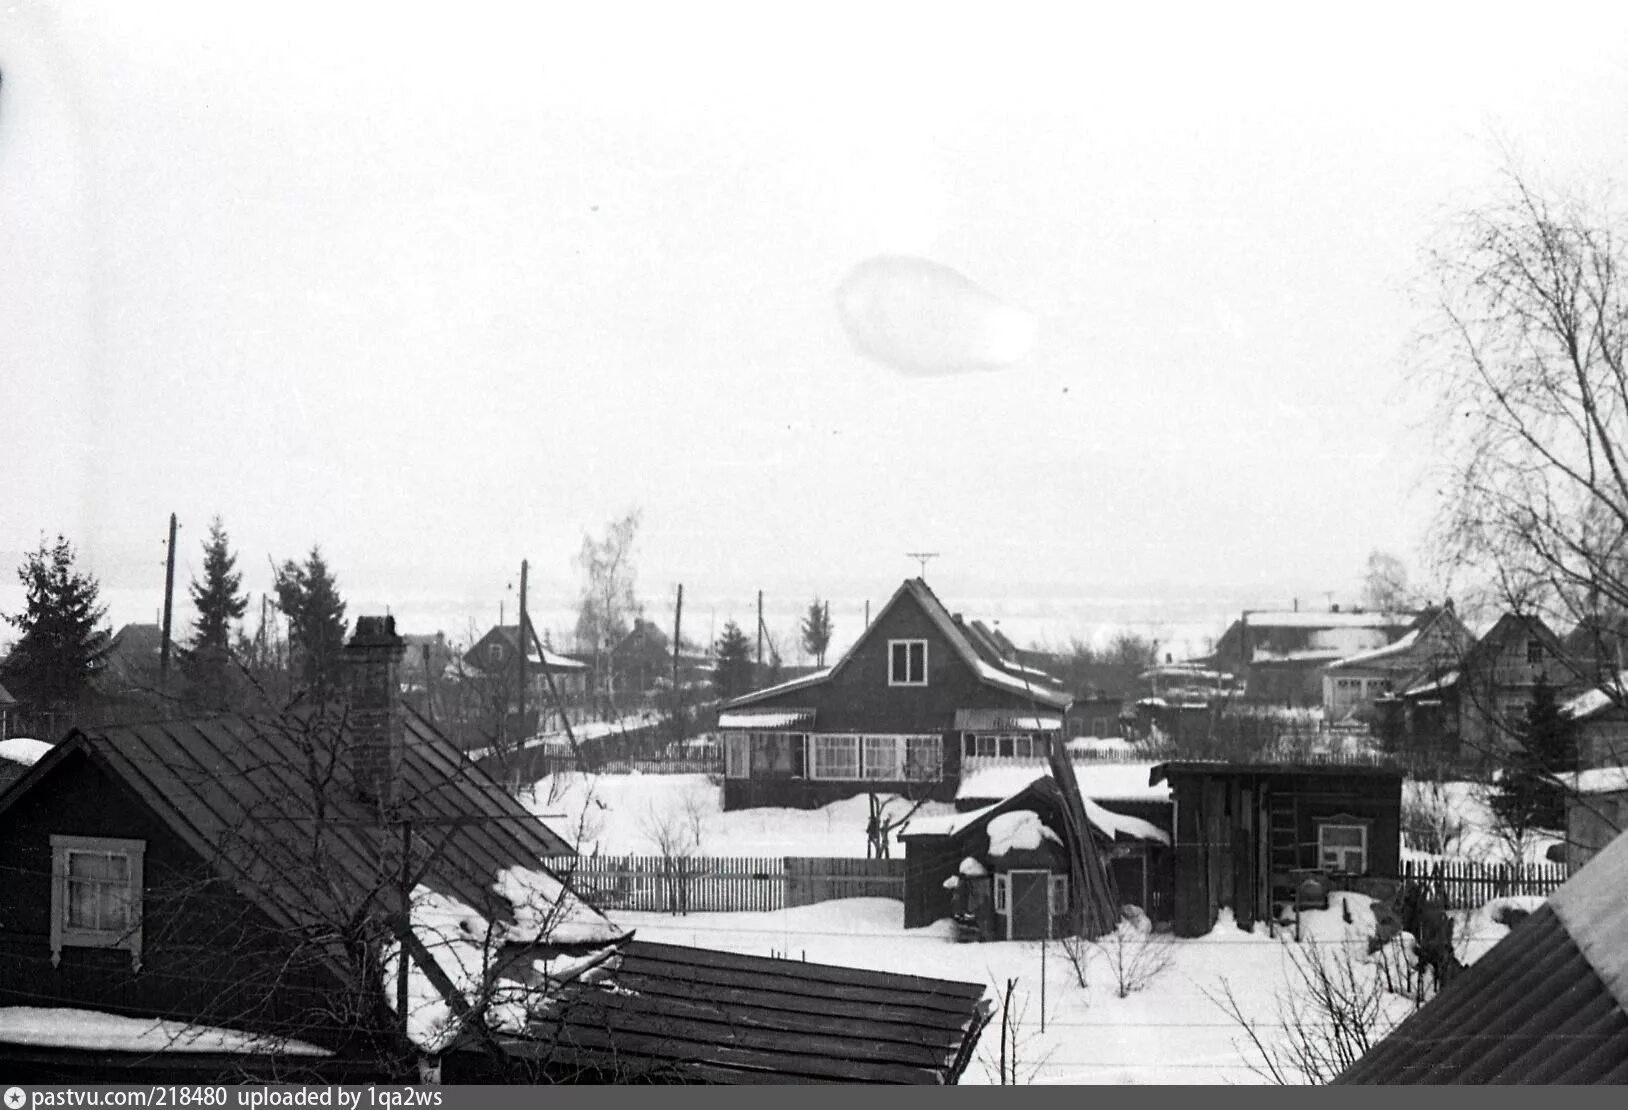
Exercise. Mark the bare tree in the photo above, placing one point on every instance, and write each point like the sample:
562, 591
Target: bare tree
607, 605
1529, 363
1385, 586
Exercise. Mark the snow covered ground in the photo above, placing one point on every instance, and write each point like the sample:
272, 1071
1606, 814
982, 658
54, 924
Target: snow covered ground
1480, 840
1172, 1031
626, 814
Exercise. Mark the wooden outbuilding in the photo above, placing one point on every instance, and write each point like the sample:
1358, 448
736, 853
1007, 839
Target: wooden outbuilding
1248, 835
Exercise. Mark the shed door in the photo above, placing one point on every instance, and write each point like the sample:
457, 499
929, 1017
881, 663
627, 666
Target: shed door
1029, 913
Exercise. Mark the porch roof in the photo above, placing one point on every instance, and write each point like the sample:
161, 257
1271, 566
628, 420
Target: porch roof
1006, 720
767, 718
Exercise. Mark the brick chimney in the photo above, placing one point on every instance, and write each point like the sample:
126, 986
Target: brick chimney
377, 732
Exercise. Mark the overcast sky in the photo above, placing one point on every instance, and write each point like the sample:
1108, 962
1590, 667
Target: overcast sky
444, 288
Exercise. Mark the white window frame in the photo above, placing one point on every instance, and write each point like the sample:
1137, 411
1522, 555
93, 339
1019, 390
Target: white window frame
1344, 824
882, 759
894, 656
821, 741
496, 651
931, 767
64, 935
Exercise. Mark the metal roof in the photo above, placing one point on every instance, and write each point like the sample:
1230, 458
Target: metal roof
244, 795
695, 1014
1532, 1010
1006, 720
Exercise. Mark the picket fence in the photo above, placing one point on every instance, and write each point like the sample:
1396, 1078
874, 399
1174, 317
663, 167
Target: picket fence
1467, 885
725, 884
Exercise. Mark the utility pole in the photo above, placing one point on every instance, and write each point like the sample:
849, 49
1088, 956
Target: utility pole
169, 601
524, 647
678, 700
867, 612
760, 629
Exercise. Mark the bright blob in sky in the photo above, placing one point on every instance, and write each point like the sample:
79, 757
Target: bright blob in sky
922, 318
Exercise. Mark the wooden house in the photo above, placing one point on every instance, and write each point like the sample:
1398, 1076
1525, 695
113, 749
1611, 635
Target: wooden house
895, 714
1003, 871
1547, 1005
1278, 655
1596, 812
1436, 639
1600, 718
1476, 707
1246, 835
8, 713
340, 891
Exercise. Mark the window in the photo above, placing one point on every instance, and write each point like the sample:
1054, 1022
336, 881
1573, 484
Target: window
1003, 892
495, 652
96, 889
1059, 895
907, 662
924, 759
1534, 651
882, 759
836, 757
1103, 728
737, 748
1342, 847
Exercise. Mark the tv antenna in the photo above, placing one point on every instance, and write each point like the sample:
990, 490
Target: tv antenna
922, 557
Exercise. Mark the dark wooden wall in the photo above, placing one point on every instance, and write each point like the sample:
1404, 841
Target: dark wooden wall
207, 953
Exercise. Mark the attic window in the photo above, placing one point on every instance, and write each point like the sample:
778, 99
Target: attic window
494, 652
96, 885
1534, 651
907, 662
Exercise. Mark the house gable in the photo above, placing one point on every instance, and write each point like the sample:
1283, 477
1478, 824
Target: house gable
202, 942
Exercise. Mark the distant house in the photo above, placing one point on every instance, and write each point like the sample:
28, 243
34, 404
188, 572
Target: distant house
286, 887
1246, 835
1547, 1005
8, 712
496, 657
1436, 641
1600, 718
913, 698
1477, 706
1278, 655
134, 662
1002, 871
1596, 812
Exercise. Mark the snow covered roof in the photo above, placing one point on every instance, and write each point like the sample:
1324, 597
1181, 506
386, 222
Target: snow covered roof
60, 1027
1098, 779
1598, 699
21, 749
1006, 720
1596, 780
1018, 830
1312, 619
1431, 686
1380, 654
766, 718
1109, 823
1042, 694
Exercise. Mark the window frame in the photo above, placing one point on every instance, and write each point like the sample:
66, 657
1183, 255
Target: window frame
893, 657
932, 768
64, 935
893, 770
1003, 892
1058, 892
1343, 822
819, 741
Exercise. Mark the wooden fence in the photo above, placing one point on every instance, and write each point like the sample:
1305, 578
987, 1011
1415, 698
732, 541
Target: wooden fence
1467, 885
725, 884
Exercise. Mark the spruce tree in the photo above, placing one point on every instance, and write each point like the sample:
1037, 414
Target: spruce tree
1529, 794
817, 630
219, 603
61, 646
309, 597
733, 659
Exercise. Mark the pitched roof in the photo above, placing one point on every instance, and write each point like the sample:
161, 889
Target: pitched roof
1011, 678
1599, 698
6, 700
1548, 1004
242, 794
698, 1014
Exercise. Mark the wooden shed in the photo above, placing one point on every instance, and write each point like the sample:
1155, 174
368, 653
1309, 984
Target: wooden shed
1246, 834
1003, 871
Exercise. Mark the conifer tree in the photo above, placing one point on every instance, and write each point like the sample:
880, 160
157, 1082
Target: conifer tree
61, 646
817, 630
220, 602
733, 660
309, 597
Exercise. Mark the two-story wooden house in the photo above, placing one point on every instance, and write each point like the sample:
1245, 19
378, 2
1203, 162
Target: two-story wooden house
1436, 640
897, 713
